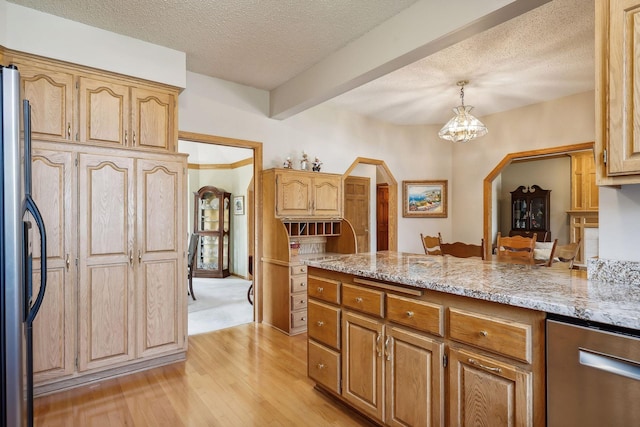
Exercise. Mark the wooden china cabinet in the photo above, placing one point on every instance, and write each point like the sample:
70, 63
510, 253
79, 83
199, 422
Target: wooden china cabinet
212, 223
530, 209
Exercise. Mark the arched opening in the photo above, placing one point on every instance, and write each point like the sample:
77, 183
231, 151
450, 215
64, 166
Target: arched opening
488, 182
385, 176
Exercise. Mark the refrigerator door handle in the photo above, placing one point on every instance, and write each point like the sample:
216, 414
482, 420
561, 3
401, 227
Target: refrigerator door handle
33, 209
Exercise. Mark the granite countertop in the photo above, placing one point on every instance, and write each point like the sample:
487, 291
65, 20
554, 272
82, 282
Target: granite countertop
540, 288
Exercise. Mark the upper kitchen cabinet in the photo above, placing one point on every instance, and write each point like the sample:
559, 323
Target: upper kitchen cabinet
51, 95
301, 194
116, 114
74, 103
617, 119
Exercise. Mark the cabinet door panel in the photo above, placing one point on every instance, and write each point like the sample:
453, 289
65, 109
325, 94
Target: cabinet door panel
153, 125
362, 364
54, 186
327, 194
293, 195
160, 228
414, 379
104, 112
106, 302
484, 391
50, 94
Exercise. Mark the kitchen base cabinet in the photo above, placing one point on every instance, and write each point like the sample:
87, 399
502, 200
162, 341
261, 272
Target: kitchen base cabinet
413, 367
414, 357
504, 390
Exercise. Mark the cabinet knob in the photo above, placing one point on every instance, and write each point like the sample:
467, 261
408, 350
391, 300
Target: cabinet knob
320, 290
483, 333
409, 314
359, 300
320, 323
302, 284
320, 365
301, 301
303, 318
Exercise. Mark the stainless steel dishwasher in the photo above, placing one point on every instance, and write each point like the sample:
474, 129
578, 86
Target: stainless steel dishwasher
593, 375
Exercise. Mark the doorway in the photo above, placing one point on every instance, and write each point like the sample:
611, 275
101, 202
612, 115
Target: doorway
490, 202
356, 209
379, 173
235, 165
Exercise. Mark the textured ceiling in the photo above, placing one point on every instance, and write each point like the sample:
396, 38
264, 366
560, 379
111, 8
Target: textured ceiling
541, 55
259, 43
544, 54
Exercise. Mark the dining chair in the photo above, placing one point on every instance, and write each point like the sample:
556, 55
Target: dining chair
463, 250
431, 244
567, 253
515, 249
544, 252
191, 259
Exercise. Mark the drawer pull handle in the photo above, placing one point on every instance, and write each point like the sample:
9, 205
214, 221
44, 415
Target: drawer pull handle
69, 130
320, 290
359, 300
379, 350
409, 314
320, 323
488, 368
483, 333
320, 365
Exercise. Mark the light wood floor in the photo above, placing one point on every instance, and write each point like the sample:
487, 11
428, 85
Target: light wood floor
248, 375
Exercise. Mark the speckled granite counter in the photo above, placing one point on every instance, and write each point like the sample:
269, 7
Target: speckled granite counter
539, 288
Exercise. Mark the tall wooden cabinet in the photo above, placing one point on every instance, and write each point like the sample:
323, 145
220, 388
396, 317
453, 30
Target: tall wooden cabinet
304, 209
584, 200
112, 195
617, 148
530, 212
212, 223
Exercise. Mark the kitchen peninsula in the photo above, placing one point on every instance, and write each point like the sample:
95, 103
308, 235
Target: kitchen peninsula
385, 327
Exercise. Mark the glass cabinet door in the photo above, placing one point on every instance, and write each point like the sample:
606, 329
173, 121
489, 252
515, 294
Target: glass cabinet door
212, 223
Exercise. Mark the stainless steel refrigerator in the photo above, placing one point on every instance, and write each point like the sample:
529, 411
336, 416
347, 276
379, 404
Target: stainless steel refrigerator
18, 307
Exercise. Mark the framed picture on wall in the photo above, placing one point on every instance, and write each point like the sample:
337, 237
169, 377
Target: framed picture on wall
238, 205
424, 199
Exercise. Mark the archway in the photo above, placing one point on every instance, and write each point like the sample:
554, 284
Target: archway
386, 174
488, 182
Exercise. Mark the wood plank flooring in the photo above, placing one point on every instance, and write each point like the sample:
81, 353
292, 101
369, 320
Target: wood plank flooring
248, 375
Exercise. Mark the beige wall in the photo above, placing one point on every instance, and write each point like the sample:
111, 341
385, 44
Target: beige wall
548, 174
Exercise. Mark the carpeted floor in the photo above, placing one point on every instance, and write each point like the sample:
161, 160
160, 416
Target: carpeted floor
219, 304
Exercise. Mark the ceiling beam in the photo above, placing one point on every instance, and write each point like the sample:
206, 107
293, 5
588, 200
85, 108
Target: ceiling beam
415, 33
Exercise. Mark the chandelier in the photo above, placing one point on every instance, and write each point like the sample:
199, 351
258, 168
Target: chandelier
463, 127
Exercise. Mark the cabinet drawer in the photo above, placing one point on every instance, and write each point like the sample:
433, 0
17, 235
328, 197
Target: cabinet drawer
324, 366
416, 314
362, 299
500, 336
324, 321
298, 283
298, 319
298, 269
324, 289
298, 301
